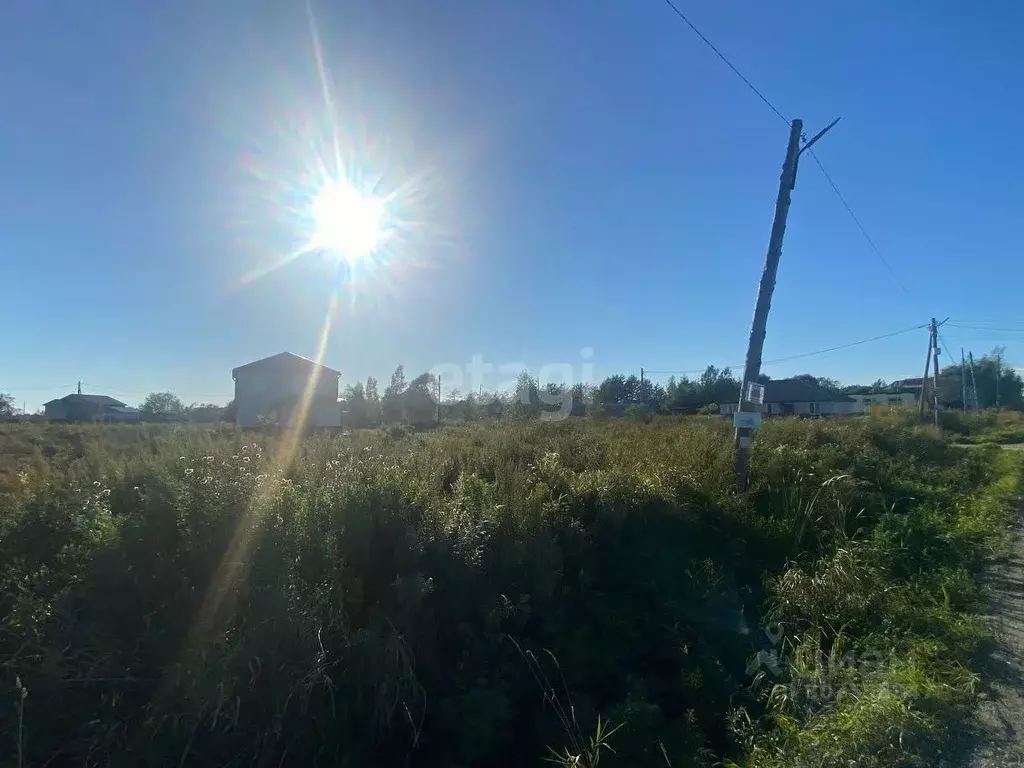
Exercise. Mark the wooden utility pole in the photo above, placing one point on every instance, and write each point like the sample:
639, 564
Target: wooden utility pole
924, 377
755, 344
935, 377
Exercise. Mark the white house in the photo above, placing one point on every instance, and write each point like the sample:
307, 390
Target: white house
863, 402
287, 390
796, 397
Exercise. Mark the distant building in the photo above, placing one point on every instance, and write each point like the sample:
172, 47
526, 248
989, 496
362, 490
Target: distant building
908, 384
796, 397
80, 407
863, 402
272, 390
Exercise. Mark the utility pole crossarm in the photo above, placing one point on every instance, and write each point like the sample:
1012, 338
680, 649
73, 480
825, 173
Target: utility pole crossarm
818, 135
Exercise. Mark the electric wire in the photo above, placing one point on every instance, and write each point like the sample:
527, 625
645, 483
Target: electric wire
805, 354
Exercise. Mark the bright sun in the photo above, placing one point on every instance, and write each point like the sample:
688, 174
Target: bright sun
347, 223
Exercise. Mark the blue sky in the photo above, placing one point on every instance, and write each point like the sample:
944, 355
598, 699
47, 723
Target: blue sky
568, 175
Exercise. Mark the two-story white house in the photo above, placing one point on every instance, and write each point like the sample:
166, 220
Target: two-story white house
287, 390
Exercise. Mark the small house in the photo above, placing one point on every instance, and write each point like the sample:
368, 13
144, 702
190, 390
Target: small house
287, 390
79, 407
799, 397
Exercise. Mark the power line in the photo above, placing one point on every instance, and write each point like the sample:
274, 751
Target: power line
723, 57
846, 346
139, 393
42, 389
863, 231
983, 328
986, 322
945, 345
807, 354
782, 117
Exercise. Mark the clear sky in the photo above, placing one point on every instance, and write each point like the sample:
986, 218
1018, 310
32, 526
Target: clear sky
563, 176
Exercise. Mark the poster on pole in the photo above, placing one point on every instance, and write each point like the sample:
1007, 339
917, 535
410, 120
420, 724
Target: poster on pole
746, 420
755, 393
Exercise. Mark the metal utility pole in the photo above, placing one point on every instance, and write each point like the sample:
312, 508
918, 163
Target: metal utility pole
755, 345
974, 384
963, 379
935, 364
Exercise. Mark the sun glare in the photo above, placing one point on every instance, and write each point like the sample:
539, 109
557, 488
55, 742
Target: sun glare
346, 222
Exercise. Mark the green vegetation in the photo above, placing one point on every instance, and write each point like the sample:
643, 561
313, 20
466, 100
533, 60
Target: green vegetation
491, 595
984, 427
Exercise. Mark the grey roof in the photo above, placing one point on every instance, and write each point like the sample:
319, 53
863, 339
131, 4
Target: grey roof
799, 391
94, 399
286, 359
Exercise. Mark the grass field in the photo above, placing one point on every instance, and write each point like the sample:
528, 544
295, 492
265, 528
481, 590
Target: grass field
492, 594
985, 427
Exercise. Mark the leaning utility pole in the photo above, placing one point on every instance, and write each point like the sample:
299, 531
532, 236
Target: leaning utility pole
755, 345
935, 363
927, 365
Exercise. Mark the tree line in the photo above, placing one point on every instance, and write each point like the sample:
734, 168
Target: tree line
416, 401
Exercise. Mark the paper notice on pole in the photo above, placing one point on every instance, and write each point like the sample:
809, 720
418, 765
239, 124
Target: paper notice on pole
746, 420
755, 393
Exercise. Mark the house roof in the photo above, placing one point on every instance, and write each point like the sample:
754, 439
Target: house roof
799, 391
283, 359
918, 382
94, 399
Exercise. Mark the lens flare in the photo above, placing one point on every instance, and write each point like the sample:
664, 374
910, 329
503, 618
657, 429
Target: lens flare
346, 223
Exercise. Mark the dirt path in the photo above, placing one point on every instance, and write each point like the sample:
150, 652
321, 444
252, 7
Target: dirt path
996, 740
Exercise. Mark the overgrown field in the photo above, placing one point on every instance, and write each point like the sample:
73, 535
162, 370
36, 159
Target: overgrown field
990, 426
492, 595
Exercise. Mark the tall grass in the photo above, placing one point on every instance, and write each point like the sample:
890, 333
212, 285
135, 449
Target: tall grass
489, 595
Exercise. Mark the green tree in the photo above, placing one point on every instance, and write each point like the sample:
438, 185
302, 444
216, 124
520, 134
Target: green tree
162, 406
819, 381
6, 406
392, 405
204, 413
994, 379
526, 403
373, 413
355, 402
230, 412
420, 400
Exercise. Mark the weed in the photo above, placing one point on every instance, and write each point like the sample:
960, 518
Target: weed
188, 596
